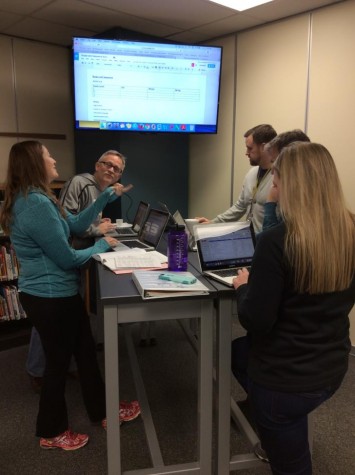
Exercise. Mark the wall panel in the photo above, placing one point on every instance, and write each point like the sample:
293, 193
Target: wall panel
332, 93
211, 157
272, 64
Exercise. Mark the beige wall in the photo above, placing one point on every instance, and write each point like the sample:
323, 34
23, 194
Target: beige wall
35, 84
211, 157
295, 73
331, 115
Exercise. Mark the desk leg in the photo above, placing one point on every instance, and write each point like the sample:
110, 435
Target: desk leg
224, 338
206, 387
112, 390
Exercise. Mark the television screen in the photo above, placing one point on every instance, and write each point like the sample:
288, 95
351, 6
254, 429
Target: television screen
146, 87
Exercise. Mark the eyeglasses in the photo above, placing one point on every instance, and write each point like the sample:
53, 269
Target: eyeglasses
111, 165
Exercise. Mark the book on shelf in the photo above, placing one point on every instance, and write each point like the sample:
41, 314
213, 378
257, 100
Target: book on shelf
8, 262
151, 286
125, 261
10, 305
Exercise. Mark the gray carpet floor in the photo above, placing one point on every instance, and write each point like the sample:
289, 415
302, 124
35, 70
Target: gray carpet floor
170, 374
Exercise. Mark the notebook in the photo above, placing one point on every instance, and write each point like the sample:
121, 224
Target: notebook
151, 232
137, 224
224, 248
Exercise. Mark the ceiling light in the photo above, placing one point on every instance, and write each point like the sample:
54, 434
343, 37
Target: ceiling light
240, 5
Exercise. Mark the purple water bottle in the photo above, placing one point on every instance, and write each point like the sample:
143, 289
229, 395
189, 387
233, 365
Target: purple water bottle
177, 248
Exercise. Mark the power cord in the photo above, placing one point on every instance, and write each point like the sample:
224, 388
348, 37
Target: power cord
127, 218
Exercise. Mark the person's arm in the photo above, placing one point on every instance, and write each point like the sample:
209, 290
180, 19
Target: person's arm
259, 300
78, 223
270, 215
78, 194
240, 208
43, 224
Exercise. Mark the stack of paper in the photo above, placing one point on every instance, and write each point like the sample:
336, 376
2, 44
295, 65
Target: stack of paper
125, 261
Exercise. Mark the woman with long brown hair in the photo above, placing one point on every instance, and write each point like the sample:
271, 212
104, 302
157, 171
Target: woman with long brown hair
49, 286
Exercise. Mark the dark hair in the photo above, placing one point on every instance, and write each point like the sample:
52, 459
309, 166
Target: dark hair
26, 170
285, 138
262, 133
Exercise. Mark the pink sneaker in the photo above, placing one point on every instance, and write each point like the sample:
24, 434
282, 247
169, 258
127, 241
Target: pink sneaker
128, 412
67, 441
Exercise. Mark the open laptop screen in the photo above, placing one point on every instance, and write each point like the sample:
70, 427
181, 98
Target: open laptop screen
154, 227
140, 216
234, 249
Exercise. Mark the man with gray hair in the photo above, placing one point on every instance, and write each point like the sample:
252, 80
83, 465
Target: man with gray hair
82, 190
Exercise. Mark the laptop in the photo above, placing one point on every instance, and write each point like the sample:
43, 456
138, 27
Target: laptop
177, 218
164, 207
224, 248
151, 232
137, 224
189, 224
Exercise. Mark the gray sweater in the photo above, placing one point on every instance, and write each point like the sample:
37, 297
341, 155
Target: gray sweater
250, 202
76, 195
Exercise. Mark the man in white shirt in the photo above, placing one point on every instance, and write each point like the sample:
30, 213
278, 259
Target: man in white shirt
257, 181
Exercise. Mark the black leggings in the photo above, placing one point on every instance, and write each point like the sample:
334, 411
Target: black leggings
64, 327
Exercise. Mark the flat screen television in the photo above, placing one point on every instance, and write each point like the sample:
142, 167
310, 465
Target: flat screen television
135, 86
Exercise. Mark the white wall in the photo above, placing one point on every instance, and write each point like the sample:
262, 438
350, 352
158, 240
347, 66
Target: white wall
211, 157
36, 99
295, 73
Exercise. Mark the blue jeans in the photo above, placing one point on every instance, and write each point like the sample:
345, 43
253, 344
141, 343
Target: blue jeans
280, 417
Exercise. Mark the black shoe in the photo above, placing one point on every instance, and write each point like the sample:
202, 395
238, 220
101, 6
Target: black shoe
153, 342
36, 383
260, 453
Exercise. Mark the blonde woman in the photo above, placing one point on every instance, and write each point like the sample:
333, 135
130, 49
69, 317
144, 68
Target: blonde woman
295, 305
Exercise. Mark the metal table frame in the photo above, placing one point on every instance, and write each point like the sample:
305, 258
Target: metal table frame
121, 304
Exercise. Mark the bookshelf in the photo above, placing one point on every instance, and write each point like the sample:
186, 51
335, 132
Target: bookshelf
14, 326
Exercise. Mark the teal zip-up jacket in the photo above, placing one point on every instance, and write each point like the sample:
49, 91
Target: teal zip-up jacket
49, 266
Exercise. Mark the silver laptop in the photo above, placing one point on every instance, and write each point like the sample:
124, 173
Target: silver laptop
151, 232
139, 219
224, 248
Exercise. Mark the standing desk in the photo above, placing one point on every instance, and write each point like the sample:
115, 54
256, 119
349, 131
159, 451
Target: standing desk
121, 304
226, 406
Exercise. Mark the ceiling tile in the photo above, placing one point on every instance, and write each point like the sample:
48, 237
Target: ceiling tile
42, 31
8, 19
181, 14
22, 7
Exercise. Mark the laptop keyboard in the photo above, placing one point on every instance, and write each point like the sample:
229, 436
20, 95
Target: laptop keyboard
124, 231
229, 272
135, 244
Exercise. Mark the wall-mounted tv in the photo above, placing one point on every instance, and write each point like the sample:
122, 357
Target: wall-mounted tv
136, 86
